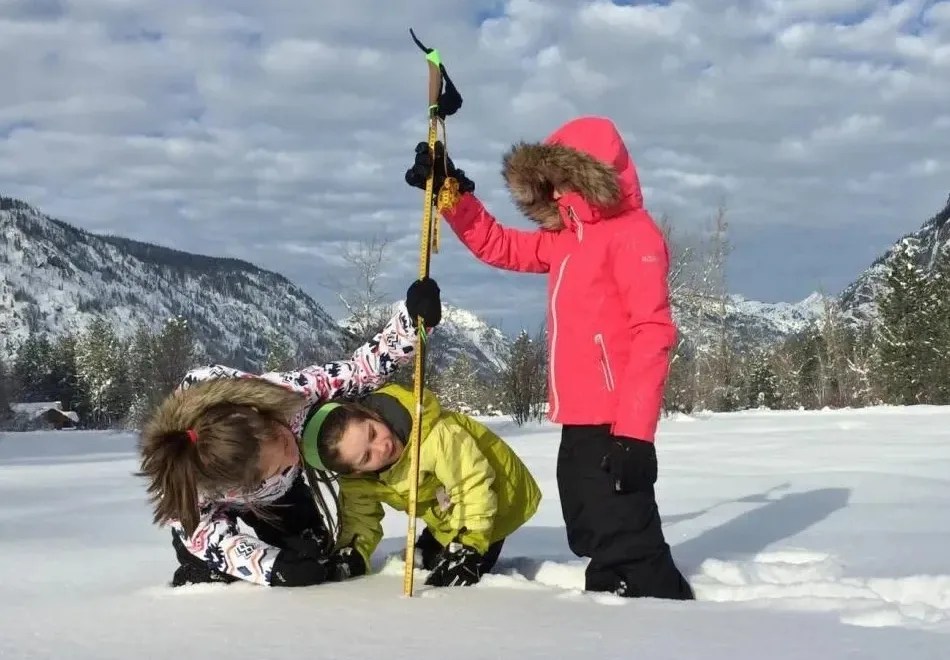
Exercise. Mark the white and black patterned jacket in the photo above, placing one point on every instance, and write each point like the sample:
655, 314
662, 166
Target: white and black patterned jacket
217, 540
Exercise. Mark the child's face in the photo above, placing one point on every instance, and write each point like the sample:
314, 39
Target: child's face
368, 445
279, 453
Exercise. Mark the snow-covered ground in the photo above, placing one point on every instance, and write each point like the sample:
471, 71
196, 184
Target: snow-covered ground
821, 534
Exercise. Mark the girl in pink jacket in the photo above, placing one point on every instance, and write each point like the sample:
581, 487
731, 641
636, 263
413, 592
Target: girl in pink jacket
610, 331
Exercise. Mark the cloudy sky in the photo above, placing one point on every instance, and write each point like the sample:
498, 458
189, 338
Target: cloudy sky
279, 131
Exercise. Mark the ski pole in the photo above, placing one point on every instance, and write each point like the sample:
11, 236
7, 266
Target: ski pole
440, 104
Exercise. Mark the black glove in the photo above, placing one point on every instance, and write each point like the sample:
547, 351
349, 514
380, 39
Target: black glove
631, 464
300, 563
423, 299
346, 563
444, 167
458, 566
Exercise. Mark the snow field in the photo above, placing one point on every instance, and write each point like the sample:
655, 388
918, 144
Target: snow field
803, 533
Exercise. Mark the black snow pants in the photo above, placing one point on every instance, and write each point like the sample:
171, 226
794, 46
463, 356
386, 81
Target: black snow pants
293, 515
620, 532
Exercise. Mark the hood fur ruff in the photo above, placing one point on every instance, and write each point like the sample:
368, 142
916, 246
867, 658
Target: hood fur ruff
533, 171
182, 409
586, 156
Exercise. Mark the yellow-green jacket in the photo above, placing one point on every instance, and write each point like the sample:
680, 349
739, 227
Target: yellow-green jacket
489, 490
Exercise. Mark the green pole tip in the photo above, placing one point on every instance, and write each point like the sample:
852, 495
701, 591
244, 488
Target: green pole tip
434, 57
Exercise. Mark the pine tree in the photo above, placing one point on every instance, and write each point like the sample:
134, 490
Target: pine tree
280, 356
32, 377
141, 376
938, 369
761, 390
5, 400
101, 368
176, 352
905, 320
65, 372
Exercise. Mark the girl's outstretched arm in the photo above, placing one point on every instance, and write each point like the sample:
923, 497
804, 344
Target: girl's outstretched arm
371, 365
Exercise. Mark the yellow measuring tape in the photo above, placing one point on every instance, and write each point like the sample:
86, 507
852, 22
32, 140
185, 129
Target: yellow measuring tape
447, 197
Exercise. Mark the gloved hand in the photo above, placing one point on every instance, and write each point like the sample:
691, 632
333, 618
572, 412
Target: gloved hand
305, 546
444, 167
631, 465
458, 566
300, 563
423, 299
345, 563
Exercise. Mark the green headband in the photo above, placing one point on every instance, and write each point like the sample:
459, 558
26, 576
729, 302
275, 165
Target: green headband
311, 431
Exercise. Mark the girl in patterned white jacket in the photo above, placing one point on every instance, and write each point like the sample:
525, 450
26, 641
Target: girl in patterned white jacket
224, 446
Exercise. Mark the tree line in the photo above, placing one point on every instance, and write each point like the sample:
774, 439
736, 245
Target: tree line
899, 357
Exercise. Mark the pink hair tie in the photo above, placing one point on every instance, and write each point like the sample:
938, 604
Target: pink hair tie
192, 435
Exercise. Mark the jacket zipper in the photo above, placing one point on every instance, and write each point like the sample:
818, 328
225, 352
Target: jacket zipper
557, 288
604, 362
579, 226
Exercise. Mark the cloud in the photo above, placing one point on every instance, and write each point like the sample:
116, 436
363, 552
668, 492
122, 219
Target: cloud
279, 132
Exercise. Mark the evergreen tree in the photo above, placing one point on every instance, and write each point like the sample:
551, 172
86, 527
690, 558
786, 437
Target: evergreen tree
32, 377
141, 375
176, 352
65, 372
101, 368
5, 390
761, 389
280, 356
905, 327
937, 371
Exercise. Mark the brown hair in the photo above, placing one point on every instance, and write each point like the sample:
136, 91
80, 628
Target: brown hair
331, 432
230, 419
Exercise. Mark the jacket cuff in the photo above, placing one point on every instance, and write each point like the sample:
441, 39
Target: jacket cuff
463, 214
476, 540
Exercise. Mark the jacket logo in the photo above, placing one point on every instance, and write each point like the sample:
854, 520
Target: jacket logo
245, 549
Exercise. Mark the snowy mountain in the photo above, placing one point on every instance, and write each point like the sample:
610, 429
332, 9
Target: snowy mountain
857, 300
461, 333
749, 323
55, 277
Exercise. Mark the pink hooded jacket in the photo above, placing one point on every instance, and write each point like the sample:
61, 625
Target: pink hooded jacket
609, 325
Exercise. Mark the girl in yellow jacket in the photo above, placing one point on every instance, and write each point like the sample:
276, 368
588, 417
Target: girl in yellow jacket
473, 490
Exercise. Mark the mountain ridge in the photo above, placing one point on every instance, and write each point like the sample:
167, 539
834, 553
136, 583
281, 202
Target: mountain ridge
65, 275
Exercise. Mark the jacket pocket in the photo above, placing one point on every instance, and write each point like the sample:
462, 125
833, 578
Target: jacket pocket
605, 362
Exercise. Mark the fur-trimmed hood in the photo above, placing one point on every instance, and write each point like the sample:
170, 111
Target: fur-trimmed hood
587, 156
183, 408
